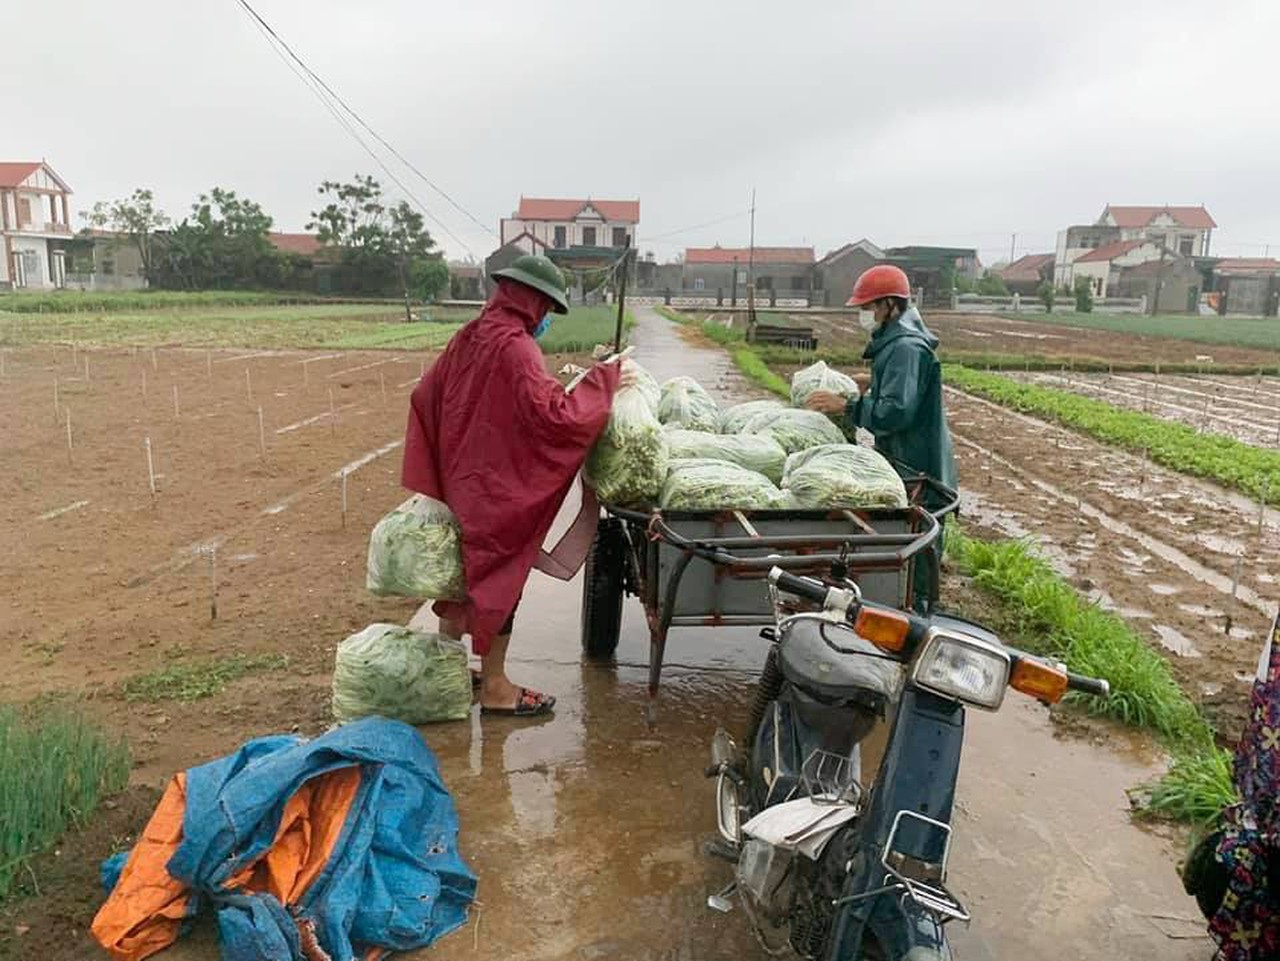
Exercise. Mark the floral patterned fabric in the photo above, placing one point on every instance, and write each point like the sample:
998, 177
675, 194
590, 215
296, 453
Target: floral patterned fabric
1247, 925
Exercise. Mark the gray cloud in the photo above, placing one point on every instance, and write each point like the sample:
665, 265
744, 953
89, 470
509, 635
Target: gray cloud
902, 121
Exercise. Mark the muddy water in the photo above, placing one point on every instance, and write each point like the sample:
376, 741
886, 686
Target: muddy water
587, 829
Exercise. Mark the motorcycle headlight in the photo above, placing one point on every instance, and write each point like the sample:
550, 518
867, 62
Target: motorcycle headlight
965, 668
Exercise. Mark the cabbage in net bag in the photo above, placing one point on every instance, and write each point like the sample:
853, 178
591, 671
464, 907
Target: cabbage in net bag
817, 377
754, 452
733, 420
685, 404
403, 674
842, 476
795, 430
416, 551
646, 384
628, 463
704, 484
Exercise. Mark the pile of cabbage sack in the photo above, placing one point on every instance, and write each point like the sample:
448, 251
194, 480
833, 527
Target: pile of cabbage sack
671, 446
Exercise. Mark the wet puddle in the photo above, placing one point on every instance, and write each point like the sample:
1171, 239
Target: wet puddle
1163, 590
1175, 641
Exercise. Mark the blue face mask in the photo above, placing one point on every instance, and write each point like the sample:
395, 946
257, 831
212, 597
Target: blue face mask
543, 326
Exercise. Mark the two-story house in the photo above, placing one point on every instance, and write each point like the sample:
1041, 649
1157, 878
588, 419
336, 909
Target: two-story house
1171, 231
35, 226
564, 224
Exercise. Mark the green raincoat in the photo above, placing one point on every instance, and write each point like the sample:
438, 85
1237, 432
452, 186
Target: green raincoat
903, 408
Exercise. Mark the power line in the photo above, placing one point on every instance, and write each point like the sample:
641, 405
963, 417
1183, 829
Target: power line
685, 230
277, 39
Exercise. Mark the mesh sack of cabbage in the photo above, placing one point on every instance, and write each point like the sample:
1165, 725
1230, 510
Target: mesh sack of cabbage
416, 551
706, 484
754, 452
735, 418
685, 404
628, 463
403, 674
818, 377
842, 476
795, 430
646, 384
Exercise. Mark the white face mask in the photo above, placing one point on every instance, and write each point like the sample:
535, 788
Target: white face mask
867, 320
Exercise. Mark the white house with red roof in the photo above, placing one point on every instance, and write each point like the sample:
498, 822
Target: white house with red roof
1160, 231
562, 224
35, 226
1103, 265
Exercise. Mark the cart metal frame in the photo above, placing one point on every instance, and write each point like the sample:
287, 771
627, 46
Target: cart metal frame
859, 544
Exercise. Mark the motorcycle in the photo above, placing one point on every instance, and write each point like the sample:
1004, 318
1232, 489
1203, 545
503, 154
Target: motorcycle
823, 865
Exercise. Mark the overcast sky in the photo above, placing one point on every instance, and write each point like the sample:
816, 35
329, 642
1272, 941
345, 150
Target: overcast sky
940, 123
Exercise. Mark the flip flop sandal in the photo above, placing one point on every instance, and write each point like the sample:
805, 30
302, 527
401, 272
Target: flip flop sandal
528, 704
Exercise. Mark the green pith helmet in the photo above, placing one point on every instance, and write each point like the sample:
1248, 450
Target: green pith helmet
542, 275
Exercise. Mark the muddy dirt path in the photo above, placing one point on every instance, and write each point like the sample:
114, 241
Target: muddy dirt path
1160, 548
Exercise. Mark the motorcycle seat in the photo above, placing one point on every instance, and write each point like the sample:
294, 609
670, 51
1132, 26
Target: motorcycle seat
865, 675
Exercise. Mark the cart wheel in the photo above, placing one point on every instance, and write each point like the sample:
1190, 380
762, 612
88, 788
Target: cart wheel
602, 585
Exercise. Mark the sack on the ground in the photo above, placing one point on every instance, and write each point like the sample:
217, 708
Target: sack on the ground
754, 452
818, 377
705, 484
628, 463
842, 476
416, 551
795, 430
735, 418
403, 674
685, 404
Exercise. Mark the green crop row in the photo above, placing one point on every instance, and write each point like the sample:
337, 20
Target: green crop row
1252, 470
55, 767
73, 301
1051, 617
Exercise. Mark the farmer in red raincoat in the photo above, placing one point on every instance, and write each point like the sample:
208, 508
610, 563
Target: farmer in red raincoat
498, 439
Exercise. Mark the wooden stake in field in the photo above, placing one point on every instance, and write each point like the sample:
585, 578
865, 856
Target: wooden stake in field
86, 368
382, 382
154, 364
248, 385
144, 383
344, 498
262, 435
213, 582
333, 414
1262, 504
57, 403
151, 469
208, 363
306, 379
1235, 589
175, 402
1142, 476
68, 435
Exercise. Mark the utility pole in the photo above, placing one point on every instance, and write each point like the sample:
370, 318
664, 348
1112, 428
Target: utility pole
733, 296
1013, 245
751, 272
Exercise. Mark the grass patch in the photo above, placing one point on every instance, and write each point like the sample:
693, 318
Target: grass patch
79, 301
415, 336
1252, 470
198, 679
1261, 332
758, 372
55, 766
1098, 643
583, 328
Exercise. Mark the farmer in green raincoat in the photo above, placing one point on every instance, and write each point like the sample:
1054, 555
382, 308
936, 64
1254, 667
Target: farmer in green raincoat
901, 400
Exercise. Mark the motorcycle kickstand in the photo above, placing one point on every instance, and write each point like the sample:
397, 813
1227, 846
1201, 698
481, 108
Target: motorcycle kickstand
720, 901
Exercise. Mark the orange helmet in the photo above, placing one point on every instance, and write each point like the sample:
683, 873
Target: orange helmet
882, 280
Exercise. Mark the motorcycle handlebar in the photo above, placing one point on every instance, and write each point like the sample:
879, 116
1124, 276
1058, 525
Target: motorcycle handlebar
805, 587
816, 591
1088, 685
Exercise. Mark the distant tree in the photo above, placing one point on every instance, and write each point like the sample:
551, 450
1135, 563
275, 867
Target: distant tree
384, 247
993, 285
1084, 295
222, 244
136, 217
1047, 294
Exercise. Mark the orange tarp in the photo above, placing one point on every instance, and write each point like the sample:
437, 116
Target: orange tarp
144, 914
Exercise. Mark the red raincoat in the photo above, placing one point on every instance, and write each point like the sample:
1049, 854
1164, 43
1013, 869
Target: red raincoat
496, 437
